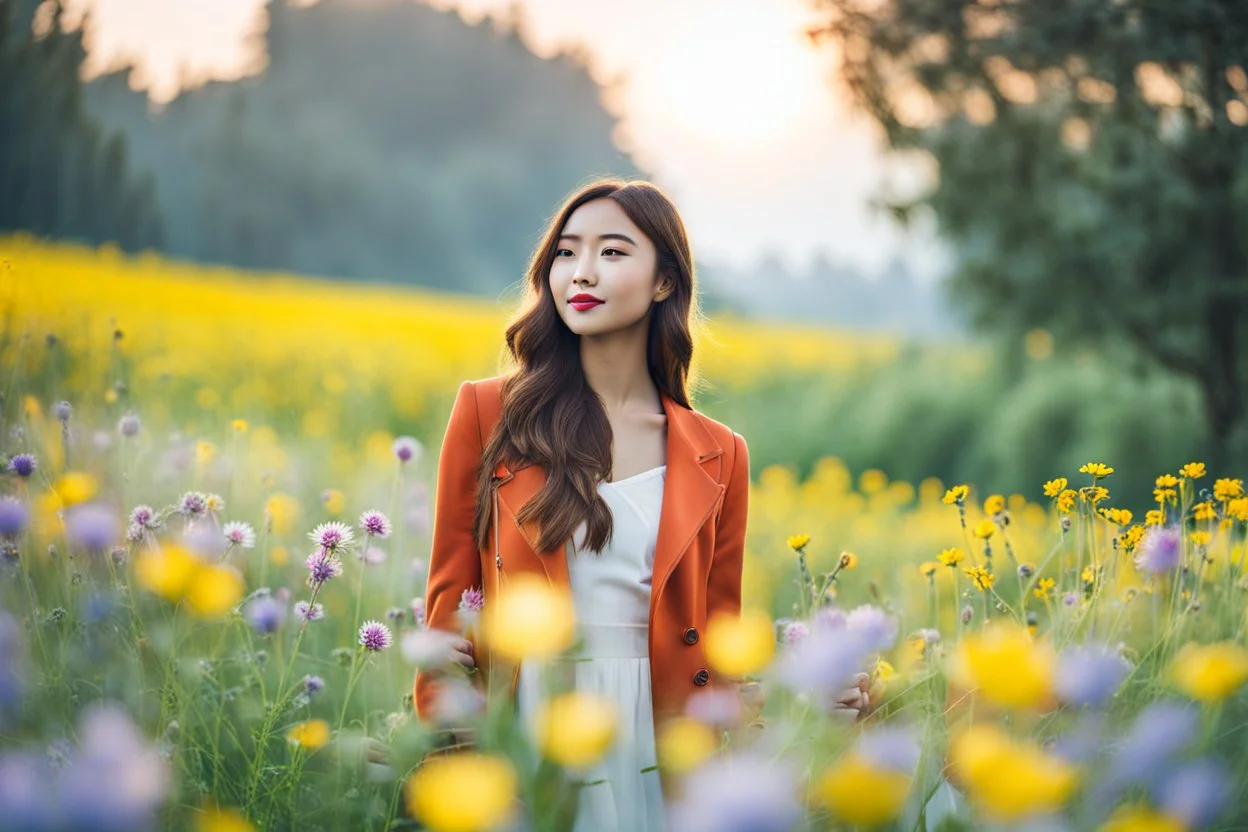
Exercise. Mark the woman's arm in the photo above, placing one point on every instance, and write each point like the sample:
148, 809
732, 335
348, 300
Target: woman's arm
454, 563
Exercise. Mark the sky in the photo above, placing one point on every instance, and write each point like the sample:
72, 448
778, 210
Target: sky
725, 102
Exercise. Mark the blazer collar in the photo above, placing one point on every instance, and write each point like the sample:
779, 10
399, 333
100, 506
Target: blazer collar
691, 493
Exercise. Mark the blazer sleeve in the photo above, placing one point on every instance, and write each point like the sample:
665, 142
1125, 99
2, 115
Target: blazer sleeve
723, 591
454, 562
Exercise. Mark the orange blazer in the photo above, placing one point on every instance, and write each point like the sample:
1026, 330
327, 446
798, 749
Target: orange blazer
697, 560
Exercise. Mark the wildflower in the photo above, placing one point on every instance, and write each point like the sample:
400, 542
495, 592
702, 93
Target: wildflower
265, 614
471, 601
1192, 470
825, 660
166, 572
309, 612
1088, 575
950, 557
1167, 481
23, 465
239, 534
531, 619
1129, 818
1008, 780
406, 448
738, 645
1070, 598
396, 614
92, 527
981, 577
13, 515
1054, 487
1237, 509
1226, 489
1044, 589
375, 524
427, 648
848, 560
333, 501
1117, 516
193, 504
867, 786
205, 452
466, 792
1160, 549
1066, 501
1196, 793
280, 512
1093, 494
1098, 470
129, 425
75, 487
738, 792
62, 411
417, 606
1026, 570
322, 567
213, 590
966, 614
312, 684
956, 495
1200, 539
575, 730
1165, 495
332, 536
984, 529
1155, 517
928, 636
375, 636
310, 735
214, 503
143, 515
877, 628
928, 568
793, 632
1089, 674
1210, 672
798, 542
719, 709
1007, 666
1205, 511
239, 425
684, 744
995, 504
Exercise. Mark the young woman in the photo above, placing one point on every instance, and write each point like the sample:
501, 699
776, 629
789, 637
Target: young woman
588, 466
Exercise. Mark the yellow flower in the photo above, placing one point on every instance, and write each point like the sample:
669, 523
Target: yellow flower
1044, 588
1007, 666
1167, 481
1066, 501
1089, 576
928, 568
462, 792
333, 501
1155, 517
738, 645
981, 577
1193, 470
1098, 470
1200, 538
281, 511
311, 734
950, 557
239, 425
205, 452
849, 560
110, 395
1009, 780
214, 502
957, 494
984, 529
798, 542
1117, 516
1227, 489
994, 504
166, 572
575, 729
684, 744
1238, 509
75, 487
214, 819
1131, 538
859, 793
1205, 511
531, 618
1054, 487
1140, 819
1093, 493
884, 672
213, 590
1210, 672
1165, 495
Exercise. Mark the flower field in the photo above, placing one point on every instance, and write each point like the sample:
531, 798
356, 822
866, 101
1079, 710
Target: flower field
215, 507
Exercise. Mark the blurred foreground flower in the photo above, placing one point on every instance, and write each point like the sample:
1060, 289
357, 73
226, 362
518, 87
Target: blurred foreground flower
741, 793
1006, 666
530, 619
1007, 780
684, 744
739, 645
1210, 672
311, 735
867, 786
575, 730
1160, 550
462, 793
215, 819
210, 590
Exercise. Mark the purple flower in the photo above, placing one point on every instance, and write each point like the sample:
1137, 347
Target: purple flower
828, 618
890, 747
23, 465
26, 801
1070, 599
406, 448
471, 600
876, 627
62, 411
240, 534
1089, 674
794, 631
91, 526
193, 504
1160, 732
312, 685
144, 516
375, 524
13, 516
1160, 550
824, 662
332, 536
265, 614
309, 612
322, 567
740, 793
129, 425
375, 636
1195, 793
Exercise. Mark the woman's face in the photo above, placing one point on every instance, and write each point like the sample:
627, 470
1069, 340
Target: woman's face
605, 258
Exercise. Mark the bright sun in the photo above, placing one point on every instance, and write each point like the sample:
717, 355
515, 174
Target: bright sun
737, 79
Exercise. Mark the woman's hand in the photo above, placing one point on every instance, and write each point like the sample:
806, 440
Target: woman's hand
854, 703
462, 653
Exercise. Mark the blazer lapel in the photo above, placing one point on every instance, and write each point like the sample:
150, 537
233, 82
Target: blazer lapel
691, 492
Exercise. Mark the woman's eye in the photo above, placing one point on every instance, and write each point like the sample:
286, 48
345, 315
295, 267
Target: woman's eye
609, 250
561, 252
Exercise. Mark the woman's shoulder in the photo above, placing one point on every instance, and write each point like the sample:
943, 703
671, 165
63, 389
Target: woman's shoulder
724, 435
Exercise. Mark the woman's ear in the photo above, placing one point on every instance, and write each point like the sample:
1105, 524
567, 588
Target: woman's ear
666, 287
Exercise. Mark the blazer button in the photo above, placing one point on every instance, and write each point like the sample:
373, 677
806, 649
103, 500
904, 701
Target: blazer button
701, 677
691, 636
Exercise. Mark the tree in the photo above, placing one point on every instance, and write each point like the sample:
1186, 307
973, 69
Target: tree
1093, 166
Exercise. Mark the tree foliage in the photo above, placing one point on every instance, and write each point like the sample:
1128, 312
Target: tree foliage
1093, 166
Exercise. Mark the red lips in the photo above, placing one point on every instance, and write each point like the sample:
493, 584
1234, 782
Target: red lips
582, 301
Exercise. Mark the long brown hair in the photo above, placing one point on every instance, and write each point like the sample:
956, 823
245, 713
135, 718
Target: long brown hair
550, 415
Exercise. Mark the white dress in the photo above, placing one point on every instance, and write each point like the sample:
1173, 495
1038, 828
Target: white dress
612, 595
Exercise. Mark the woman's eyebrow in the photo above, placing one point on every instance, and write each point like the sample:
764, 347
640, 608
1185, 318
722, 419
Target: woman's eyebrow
609, 236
